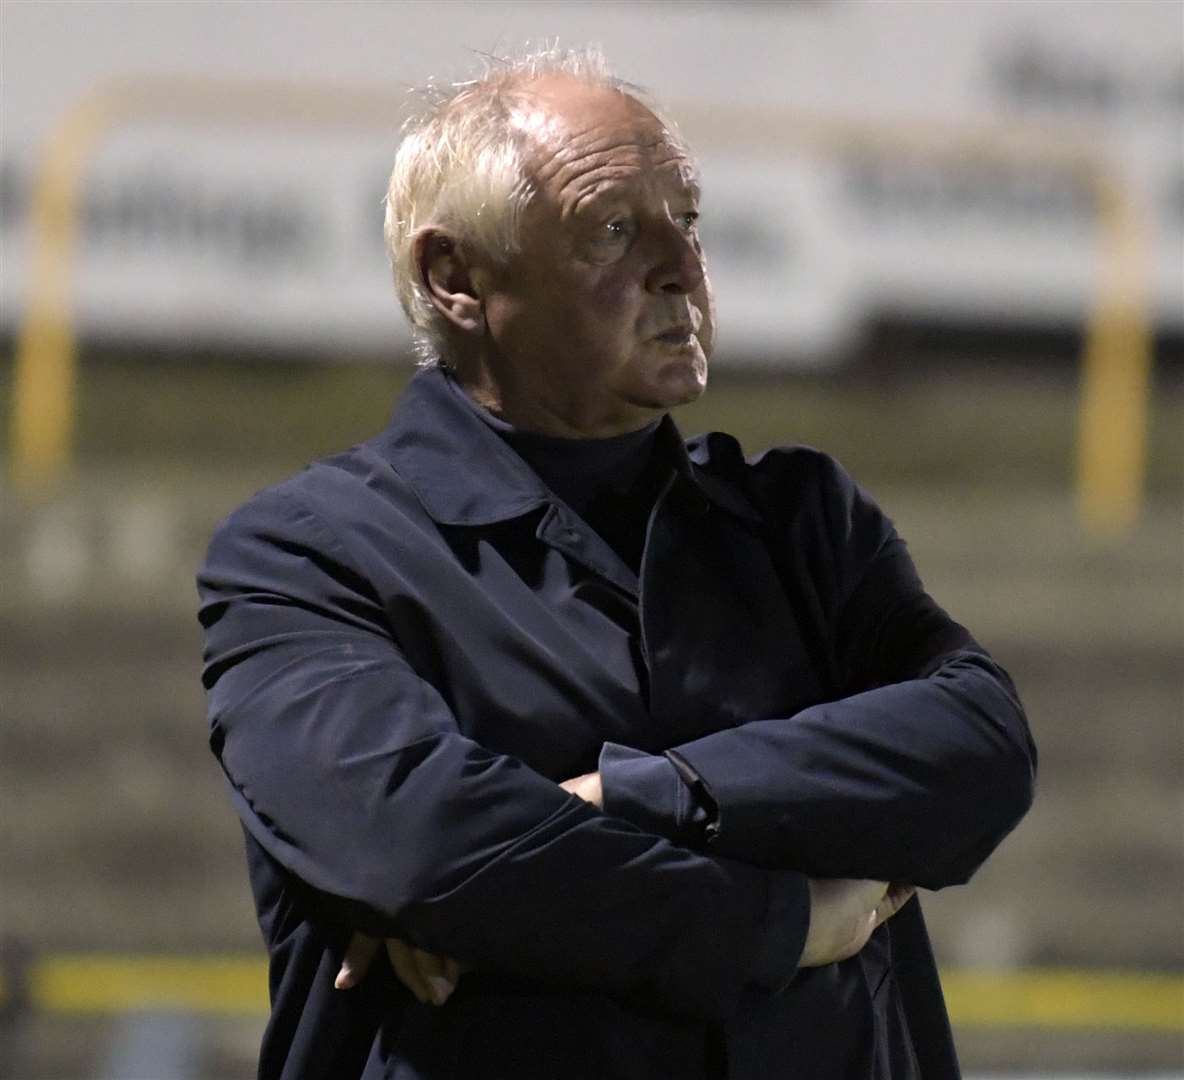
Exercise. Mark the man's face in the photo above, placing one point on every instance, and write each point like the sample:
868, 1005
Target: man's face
604, 317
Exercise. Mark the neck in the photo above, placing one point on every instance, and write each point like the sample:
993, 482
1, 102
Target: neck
529, 411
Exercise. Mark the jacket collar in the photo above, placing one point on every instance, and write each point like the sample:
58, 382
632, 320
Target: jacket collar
459, 468
465, 474
726, 493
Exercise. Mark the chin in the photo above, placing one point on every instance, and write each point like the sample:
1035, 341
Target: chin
665, 379
683, 380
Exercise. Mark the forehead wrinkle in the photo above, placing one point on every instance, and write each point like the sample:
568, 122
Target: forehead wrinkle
565, 153
588, 185
590, 170
552, 133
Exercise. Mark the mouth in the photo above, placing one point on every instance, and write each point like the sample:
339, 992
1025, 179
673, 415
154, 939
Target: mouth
676, 336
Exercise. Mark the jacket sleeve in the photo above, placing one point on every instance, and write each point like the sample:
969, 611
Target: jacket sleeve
351, 771
916, 771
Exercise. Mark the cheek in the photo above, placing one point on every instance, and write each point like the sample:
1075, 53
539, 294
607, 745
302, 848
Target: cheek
530, 313
504, 318
610, 309
597, 324
608, 294
704, 300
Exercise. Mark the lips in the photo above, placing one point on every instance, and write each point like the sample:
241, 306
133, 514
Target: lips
678, 335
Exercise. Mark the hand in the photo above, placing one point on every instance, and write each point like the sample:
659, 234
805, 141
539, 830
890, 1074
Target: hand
429, 977
843, 914
587, 787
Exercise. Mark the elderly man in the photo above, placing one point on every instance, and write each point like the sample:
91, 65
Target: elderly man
631, 750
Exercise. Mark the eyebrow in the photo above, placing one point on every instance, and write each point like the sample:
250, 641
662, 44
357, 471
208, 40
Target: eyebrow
614, 181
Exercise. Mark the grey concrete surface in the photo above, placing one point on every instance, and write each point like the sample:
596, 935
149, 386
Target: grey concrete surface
117, 833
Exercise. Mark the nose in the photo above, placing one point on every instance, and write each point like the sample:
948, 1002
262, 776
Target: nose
677, 262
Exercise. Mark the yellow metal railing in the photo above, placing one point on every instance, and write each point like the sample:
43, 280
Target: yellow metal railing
1116, 376
1116, 365
44, 382
43, 405
1051, 998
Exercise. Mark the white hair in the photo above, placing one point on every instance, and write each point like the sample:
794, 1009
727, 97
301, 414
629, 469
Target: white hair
462, 167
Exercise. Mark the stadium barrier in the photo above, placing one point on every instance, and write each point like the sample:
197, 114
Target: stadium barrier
236, 985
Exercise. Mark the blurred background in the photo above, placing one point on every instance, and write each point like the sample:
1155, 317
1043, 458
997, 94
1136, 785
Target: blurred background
947, 241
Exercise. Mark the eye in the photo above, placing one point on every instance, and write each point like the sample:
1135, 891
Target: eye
614, 233
689, 220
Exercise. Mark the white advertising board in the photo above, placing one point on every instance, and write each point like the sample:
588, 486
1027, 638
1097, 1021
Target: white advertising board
841, 143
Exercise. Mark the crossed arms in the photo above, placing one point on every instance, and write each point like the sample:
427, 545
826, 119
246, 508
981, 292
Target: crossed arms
353, 773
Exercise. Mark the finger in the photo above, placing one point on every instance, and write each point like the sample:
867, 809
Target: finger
895, 898
872, 897
873, 892
359, 955
408, 974
434, 971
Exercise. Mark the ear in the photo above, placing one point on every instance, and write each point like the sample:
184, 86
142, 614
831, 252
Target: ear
448, 278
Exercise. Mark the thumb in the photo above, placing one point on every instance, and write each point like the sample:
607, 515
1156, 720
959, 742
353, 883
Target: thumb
359, 955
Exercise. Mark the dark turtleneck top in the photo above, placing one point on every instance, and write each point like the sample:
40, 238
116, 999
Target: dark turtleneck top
611, 483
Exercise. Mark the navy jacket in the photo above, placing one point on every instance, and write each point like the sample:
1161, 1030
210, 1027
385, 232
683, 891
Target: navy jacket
410, 644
